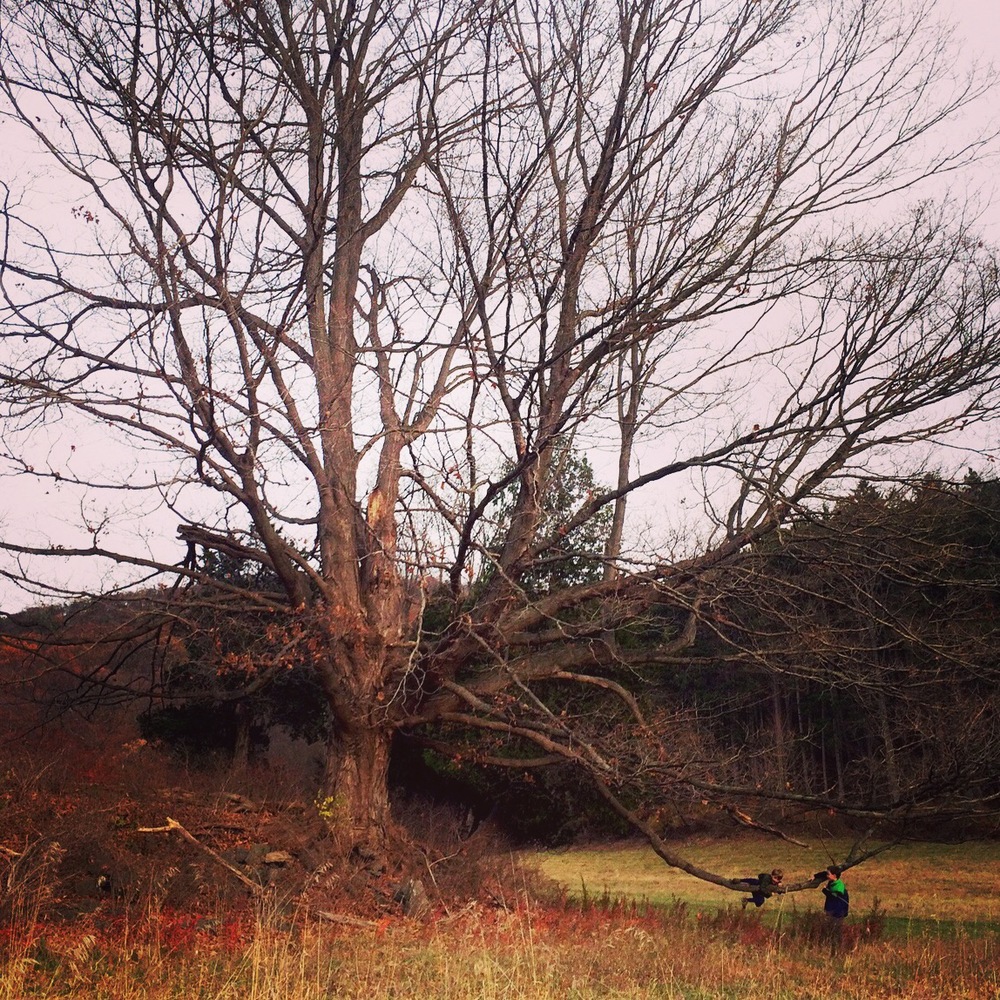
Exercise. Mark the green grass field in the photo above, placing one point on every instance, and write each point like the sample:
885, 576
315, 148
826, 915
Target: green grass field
914, 884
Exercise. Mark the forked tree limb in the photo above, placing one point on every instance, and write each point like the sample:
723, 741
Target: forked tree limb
856, 858
742, 818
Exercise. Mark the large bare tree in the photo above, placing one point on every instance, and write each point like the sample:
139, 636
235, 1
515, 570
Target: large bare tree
345, 285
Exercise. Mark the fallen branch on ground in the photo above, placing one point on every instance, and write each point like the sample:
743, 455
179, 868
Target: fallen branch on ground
173, 825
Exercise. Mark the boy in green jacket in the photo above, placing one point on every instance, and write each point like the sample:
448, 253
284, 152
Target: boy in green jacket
838, 900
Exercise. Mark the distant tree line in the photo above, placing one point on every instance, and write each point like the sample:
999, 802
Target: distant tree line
851, 657
854, 656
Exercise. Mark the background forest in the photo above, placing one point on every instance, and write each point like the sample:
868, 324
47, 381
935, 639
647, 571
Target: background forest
851, 665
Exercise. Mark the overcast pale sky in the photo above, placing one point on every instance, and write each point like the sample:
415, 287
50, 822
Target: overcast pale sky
979, 20
978, 25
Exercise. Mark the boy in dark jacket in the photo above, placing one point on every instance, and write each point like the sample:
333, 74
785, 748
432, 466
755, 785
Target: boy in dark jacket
762, 887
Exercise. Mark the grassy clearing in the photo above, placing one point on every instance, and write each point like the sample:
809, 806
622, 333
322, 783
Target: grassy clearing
915, 885
481, 954
576, 950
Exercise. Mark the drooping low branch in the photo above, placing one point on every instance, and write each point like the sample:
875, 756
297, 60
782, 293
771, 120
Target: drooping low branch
597, 767
676, 861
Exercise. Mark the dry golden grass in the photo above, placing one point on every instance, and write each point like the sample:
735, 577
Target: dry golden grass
520, 950
697, 944
543, 954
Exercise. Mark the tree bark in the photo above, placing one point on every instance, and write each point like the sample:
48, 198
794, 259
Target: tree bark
354, 800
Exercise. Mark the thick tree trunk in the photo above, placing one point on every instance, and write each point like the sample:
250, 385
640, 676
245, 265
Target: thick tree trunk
354, 800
